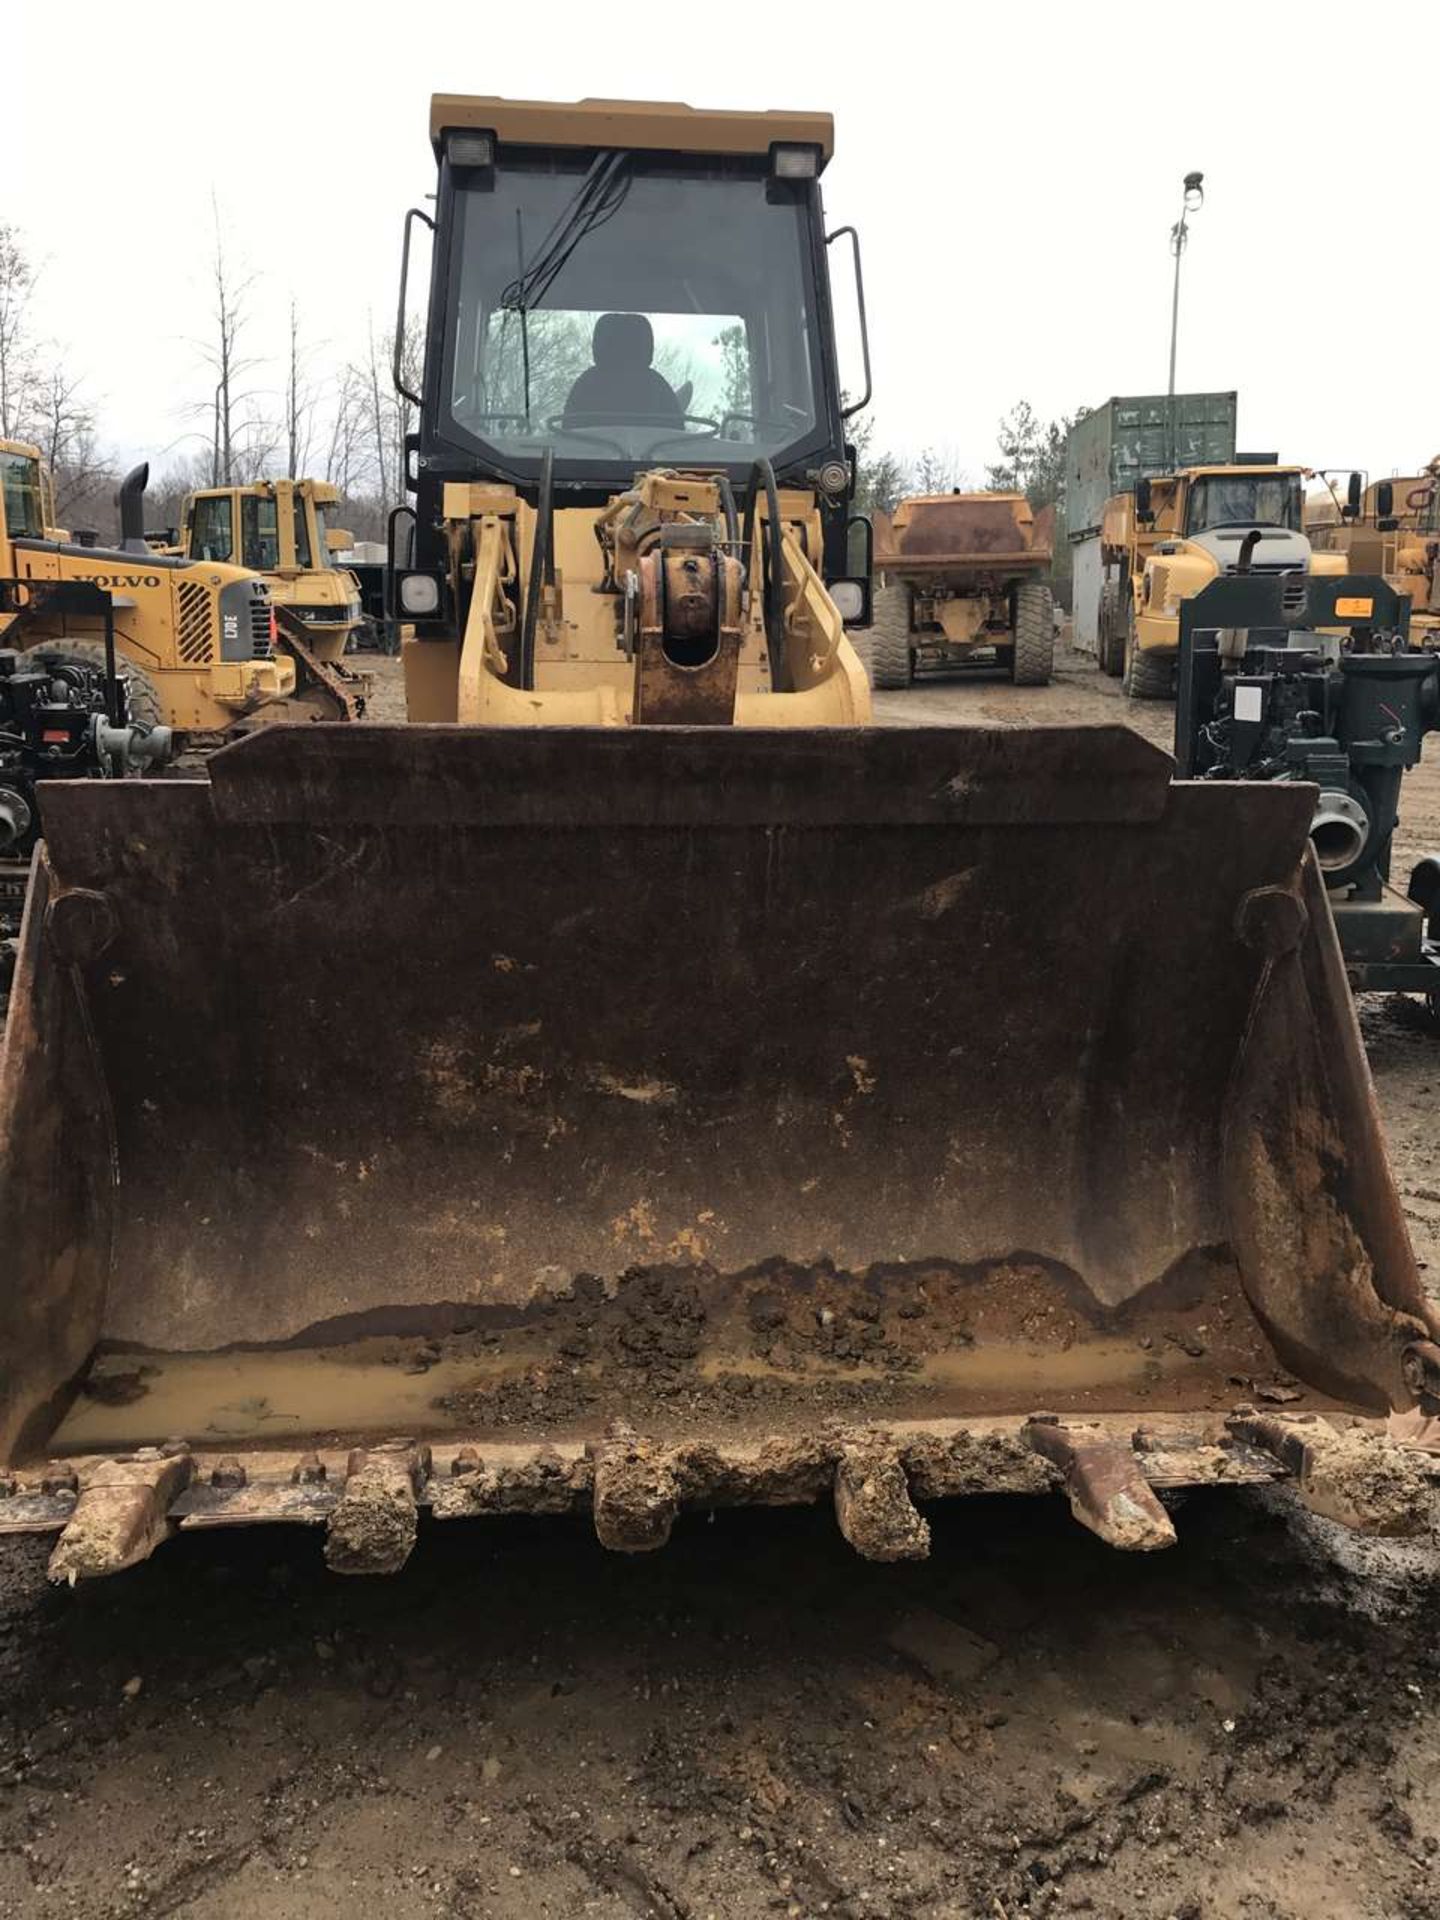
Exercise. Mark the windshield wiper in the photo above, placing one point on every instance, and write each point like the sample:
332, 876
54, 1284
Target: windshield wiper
599, 198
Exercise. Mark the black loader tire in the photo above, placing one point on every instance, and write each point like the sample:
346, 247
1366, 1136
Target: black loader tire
143, 697
1147, 675
1033, 660
1111, 650
891, 662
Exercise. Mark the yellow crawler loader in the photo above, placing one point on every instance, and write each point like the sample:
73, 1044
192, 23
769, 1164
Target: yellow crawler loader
621, 1143
279, 528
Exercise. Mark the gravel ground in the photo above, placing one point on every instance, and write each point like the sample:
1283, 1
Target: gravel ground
754, 1722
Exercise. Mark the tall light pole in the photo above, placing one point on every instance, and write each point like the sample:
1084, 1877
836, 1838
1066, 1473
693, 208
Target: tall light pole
1179, 236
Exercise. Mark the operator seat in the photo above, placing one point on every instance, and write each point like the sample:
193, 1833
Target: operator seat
622, 385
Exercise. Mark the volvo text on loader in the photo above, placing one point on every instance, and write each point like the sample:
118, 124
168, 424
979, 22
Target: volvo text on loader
621, 1143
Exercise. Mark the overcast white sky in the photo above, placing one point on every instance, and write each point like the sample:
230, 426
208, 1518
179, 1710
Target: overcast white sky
1014, 172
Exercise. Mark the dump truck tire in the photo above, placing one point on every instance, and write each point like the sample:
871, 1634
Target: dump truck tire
891, 661
1111, 650
145, 709
1032, 660
1146, 675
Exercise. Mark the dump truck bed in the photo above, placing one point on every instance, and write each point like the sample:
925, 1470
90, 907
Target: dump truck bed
948, 538
510, 1119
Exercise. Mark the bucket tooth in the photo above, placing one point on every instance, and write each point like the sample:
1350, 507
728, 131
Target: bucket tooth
636, 1494
1108, 1490
873, 1505
371, 1528
1355, 1476
121, 1515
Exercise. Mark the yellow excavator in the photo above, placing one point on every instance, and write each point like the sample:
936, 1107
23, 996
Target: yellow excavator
627, 1138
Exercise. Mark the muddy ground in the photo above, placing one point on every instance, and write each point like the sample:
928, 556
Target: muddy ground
754, 1722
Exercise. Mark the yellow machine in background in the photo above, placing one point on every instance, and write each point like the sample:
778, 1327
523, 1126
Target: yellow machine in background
280, 528
197, 641
965, 577
1176, 533
1389, 527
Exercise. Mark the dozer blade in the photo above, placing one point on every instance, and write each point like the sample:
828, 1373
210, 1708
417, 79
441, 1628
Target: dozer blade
494, 1120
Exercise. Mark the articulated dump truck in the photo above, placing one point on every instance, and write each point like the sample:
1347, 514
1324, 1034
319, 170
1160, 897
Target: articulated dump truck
620, 1143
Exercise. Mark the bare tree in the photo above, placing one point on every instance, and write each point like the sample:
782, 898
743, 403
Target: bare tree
241, 441
344, 458
19, 359
937, 470
65, 431
299, 404
386, 417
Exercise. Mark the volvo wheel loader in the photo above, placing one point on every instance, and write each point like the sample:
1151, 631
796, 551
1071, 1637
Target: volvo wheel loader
196, 642
621, 1144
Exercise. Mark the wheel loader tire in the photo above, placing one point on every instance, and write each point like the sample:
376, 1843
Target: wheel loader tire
1111, 650
892, 664
1033, 660
1147, 676
145, 709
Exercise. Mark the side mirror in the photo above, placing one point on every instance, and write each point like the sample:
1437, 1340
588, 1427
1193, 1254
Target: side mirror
1384, 500
1354, 494
1143, 506
840, 233
853, 595
338, 540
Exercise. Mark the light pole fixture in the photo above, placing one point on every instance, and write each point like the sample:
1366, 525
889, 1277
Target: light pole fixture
1179, 236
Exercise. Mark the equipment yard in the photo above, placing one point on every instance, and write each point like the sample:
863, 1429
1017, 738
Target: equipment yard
755, 1720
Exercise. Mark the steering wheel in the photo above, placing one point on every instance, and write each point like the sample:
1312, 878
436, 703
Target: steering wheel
700, 420
762, 420
555, 424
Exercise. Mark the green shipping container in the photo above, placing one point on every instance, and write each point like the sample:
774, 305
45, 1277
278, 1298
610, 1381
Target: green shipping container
1108, 450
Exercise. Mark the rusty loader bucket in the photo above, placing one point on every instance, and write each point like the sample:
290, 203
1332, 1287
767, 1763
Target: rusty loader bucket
584, 1120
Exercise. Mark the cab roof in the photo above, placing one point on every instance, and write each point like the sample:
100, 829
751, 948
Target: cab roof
1269, 468
646, 125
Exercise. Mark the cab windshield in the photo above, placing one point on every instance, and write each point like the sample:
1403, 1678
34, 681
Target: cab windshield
20, 486
621, 308
1244, 500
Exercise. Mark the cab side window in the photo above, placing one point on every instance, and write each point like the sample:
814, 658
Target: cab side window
261, 541
211, 535
302, 534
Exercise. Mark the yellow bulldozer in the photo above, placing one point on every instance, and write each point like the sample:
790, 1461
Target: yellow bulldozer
1170, 537
621, 1143
279, 528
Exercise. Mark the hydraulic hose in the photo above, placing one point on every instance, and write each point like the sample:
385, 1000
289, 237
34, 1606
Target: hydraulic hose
772, 571
542, 565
